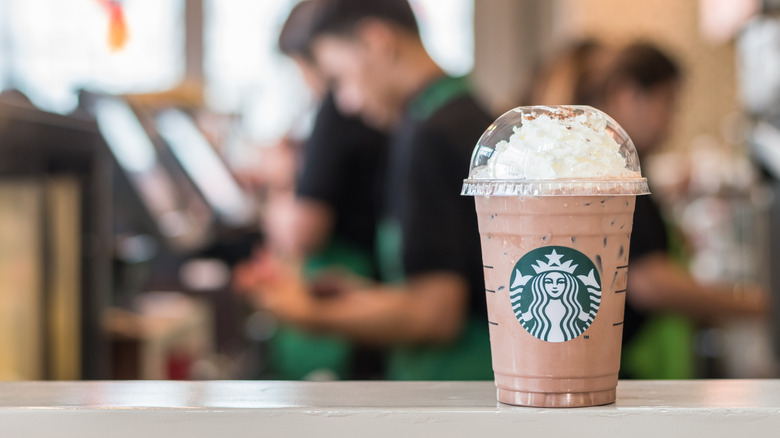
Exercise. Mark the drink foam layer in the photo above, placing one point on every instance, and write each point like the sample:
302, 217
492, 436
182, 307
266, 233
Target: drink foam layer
557, 145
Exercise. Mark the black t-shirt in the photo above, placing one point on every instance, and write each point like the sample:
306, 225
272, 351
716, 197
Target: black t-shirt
341, 167
429, 158
648, 237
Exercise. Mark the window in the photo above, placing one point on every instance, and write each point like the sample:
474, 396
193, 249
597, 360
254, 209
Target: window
244, 71
447, 29
4, 50
246, 74
53, 48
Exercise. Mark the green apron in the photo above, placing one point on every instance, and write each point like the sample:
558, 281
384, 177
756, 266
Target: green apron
663, 348
468, 357
295, 354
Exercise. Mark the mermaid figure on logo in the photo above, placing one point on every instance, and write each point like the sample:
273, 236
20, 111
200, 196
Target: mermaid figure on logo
555, 304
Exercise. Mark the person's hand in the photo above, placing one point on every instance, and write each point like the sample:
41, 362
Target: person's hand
251, 272
279, 288
752, 299
336, 282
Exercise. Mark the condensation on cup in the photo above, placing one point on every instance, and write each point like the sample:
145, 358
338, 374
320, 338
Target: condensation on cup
555, 188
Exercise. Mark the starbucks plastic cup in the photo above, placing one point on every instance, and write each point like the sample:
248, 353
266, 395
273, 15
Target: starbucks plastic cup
555, 189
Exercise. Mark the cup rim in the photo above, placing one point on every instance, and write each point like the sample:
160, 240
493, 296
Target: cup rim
556, 187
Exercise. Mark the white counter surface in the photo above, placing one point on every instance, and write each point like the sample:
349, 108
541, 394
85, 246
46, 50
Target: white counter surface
230, 409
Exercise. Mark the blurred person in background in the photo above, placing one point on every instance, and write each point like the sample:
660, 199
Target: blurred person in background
429, 309
569, 77
328, 218
638, 86
336, 188
640, 92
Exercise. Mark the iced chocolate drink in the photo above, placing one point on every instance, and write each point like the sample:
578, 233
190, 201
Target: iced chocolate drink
555, 190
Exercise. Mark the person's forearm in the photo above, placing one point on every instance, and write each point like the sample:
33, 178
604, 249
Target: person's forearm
709, 302
658, 284
371, 316
390, 316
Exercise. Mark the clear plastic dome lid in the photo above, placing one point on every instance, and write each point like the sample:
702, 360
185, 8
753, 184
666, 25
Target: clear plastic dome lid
554, 150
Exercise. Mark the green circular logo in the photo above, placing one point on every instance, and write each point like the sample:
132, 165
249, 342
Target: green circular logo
555, 293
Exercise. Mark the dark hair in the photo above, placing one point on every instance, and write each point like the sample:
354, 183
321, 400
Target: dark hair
572, 76
339, 17
589, 55
295, 36
645, 65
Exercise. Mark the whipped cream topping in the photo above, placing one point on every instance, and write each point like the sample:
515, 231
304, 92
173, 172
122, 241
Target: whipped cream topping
557, 146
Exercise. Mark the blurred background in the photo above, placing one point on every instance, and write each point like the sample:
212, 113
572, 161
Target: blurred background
138, 144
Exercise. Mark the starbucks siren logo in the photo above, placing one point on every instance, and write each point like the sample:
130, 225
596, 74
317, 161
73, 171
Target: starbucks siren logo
555, 293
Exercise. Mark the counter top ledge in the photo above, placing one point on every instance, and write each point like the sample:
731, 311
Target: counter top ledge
692, 408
